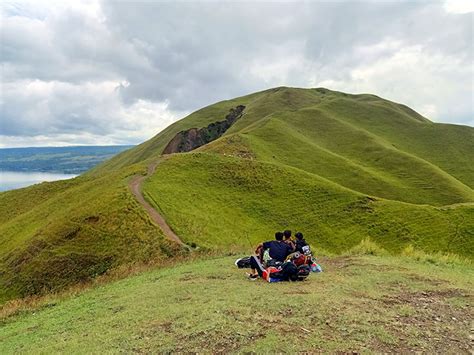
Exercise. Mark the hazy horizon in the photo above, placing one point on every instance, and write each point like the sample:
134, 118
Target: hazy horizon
72, 146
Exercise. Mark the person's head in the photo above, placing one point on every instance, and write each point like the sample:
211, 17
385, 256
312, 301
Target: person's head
287, 234
299, 235
279, 236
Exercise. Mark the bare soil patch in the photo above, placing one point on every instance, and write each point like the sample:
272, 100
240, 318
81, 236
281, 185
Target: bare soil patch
135, 186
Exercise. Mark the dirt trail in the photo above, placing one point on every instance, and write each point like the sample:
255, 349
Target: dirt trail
135, 186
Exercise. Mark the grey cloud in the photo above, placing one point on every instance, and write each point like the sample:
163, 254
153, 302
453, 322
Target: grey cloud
50, 108
92, 63
206, 46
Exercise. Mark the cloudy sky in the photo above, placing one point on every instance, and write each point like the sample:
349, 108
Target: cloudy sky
117, 72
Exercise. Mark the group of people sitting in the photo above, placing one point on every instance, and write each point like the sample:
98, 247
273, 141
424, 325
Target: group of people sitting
282, 259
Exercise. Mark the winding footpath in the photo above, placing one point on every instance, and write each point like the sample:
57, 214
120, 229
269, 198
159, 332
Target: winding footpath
135, 186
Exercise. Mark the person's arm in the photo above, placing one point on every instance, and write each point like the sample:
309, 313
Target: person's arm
291, 248
299, 246
292, 245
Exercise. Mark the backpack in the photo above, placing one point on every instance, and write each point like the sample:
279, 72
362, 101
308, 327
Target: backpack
288, 272
306, 250
273, 263
303, 272
316, 267
299, 259
266, 256
243, 263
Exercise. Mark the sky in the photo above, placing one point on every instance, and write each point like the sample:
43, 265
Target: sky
118, 72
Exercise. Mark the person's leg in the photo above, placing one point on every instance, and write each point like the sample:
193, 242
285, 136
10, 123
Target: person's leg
287, 272
256, 265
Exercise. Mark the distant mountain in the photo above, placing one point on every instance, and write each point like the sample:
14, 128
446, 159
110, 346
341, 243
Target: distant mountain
336, 166
67, 160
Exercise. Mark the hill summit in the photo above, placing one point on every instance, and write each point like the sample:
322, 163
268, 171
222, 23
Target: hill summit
336, 166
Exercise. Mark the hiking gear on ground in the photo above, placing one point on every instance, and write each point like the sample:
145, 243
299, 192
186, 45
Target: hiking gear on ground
287, 271
272, 274
243, 263
299, 259
273, 262
306, 250
303, 272
316, 268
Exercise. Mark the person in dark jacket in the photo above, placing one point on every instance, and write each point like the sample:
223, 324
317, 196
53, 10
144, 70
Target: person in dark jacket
287, 239
300, 242
277, 249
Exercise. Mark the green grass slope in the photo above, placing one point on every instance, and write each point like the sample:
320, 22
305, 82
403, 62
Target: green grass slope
233, 202
57, 234
358, 304
450, 147
354, 158
362, 142
339, 167
373, 133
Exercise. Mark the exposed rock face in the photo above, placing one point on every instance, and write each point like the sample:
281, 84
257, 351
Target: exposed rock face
193, 138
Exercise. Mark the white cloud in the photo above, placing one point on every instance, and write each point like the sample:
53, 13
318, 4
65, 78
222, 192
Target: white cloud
435, 84
88, 113
459, 6
96, 72
280, 65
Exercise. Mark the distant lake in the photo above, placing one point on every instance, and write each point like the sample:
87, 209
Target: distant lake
10, 180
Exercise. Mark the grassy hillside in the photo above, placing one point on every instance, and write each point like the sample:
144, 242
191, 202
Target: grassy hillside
233, 202
447, 146
354, 158
359, 303
56, 234
363, 134
339, 167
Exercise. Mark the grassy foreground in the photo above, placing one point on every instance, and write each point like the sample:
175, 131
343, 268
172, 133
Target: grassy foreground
360, 303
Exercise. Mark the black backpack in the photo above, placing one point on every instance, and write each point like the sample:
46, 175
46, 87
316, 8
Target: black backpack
303, 272
288, 272
243, 263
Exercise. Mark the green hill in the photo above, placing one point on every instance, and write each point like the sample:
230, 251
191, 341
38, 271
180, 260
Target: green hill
339, 167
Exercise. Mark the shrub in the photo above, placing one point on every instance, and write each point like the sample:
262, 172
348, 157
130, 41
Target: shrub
367, 247
436, 258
